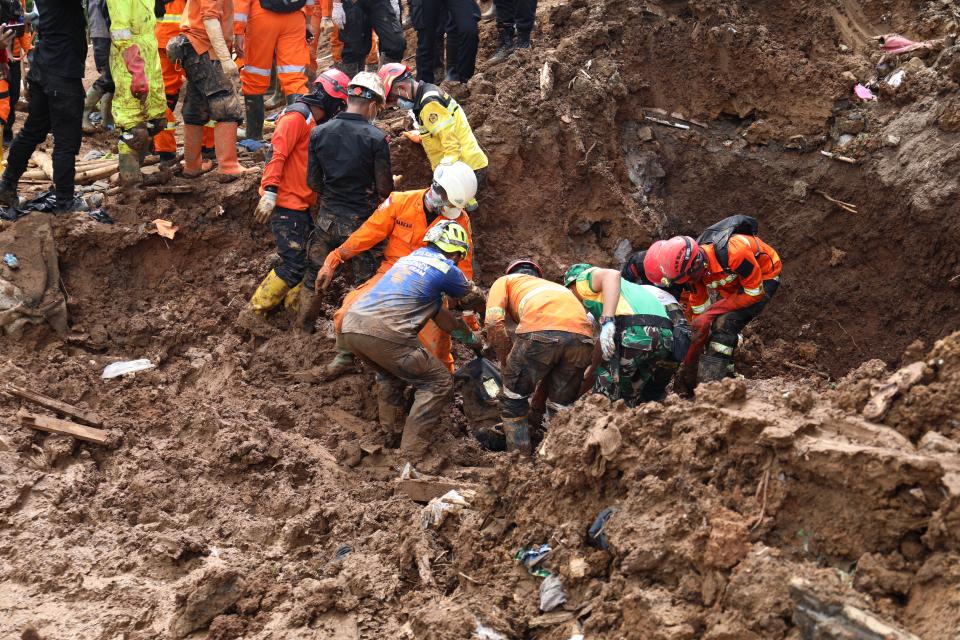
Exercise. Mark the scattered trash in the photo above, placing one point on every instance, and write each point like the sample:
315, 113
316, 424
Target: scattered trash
596, 537
896, 44
11, 261
552, 594
165, 228
486, 633
250, 144
101, 215
864, 93
45, 202
895, 79
96, 154
342, 552
437, 510
127, 366
531, 557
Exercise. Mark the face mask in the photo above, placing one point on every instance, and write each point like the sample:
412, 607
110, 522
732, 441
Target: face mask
432, 200
450, 212
403, 103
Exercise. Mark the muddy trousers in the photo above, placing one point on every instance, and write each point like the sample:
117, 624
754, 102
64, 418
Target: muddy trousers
210, 94
291, 231
717, 360
515, 15
364, 17
398, 366
636, 376
330, 232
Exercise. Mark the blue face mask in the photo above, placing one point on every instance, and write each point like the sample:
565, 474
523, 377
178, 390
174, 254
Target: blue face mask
403, 103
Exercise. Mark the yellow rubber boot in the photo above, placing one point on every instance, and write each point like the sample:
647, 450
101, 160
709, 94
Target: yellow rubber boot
291, 301
269, 294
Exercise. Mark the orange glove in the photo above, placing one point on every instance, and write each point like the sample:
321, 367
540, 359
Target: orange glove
139, 86
325, 276
413, 136
471, 321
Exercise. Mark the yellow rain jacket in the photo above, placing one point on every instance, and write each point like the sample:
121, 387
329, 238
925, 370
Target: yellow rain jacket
132, 22
444, 131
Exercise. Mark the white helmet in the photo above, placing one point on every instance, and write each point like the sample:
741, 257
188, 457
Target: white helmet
458, 182
366, 85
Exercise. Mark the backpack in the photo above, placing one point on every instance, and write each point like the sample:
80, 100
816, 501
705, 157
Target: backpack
283, 6
719, 235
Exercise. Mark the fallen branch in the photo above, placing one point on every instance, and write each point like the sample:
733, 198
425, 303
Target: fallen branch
65, 427
846, 206
837, 156
54, 405
765, 483
807, 369
466, 577
92, 175
667, 123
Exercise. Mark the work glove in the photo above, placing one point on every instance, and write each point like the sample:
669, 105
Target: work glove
413, 136
468, 337
139, 86
329, 270
268, 202
309, 35
339, 16
608, 342
470, 319
325, 25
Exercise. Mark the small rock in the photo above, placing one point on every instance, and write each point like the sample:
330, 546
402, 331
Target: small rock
836, 257
645, 134
849, 78
891, 140
799, 190
852, 124
213, 592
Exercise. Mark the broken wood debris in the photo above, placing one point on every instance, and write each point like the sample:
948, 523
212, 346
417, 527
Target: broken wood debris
65, 427
47, 402
846, 206
819, 615
837, 156
667, 123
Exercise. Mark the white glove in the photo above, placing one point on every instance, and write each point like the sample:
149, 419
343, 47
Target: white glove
268, 201
338, 16
395, 5
608, 343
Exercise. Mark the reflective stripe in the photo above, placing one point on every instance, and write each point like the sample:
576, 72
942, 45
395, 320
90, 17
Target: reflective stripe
170, 17
697, 309
443, 125
495, 311
310, 3
512, 395
440, 265
722, 348
211, 123
171, 126
239, 17
257, 71
719, 283
541, 289
121, 34
290, 68
754, 292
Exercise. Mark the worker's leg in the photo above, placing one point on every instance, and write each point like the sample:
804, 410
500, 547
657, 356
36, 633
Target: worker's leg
165, 142
65, 97
293, 54
34, 131
336, 46
356, 36
506, 28
373, 56
524, 16
425, 18
387, 26
466, 16
291, 230
717, 360
661, 373
565, 378
530, 360
264, 29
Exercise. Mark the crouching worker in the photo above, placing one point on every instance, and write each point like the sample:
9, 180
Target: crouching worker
381, 328
553, 343
643, 333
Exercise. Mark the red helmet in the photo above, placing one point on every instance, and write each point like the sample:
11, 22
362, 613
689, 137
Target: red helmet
673, 261
523, 264
393, 72
334, 83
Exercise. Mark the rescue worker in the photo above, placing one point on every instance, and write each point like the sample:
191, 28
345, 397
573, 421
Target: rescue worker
515, 20
729, 283
102, 88
633, 271
336, 44
442, 126
553, 343
643, 333
201, 50
382, 326
264, 30
9, 12
165, 142
348, 165
55, 83
284, 195
139, 104
358, 20
430, 19
19, 49
402, 220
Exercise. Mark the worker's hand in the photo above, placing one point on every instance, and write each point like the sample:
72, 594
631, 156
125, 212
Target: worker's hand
309, 35
413, 136
139, 86
230, 69
326, 25
268, 202
608, 343
238, 43
338, 15
329, 270
470, 319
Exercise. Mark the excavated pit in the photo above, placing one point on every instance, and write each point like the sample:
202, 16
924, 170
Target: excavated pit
232, 499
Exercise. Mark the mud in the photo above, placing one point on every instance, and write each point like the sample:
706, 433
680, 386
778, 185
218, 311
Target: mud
237, 498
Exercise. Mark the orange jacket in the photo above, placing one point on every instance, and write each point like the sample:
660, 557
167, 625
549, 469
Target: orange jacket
192, 23
22, 43
402, 222
169, 25
534, 304
287, 169
750, 261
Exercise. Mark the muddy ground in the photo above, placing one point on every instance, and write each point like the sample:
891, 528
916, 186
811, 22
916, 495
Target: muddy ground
232, 499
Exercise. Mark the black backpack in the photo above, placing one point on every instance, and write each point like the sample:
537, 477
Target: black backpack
283, 6
719, 235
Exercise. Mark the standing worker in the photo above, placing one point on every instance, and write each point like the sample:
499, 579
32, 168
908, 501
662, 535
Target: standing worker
643, 333
515, 20
430, 19
358, 20
264, 30
55, 82
284, 195
443, 129
19, 48
212, 77
139, 104
731, 274
348, 165
553, 343
336, 44
382, 326
102, 87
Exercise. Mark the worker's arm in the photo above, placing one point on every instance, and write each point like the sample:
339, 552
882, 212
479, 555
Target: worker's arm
210, 13
438, 123
241, 15
372, 232
606, 282
456, 286
382, 169
495, 318
682, 337
745, 265
466, 265
290, 129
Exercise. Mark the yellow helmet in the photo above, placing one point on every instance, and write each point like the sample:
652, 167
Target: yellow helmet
449, 237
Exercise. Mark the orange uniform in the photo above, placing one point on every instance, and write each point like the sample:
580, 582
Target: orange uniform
268, 34
192, 22
336, 44
535, 304
402, 222
287, 169
750, 261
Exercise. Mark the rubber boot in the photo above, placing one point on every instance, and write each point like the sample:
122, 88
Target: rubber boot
94, 94
713, 367
254, 123
292, 98
129, 165
343, 363
269, 294
225, 140
309, 310
523, 40
506, 46
517, 434
391, 419
491, 438
8, 193
106, 112
291, 301
193, 164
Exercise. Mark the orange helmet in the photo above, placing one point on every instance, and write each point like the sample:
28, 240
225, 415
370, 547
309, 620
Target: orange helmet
334, 83
673, 261
524, 265
393, 72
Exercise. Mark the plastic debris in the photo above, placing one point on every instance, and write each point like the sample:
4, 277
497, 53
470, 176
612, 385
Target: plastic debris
596, 536
342, 552
531, 557
895, 79
101, 215
127, 366
864, 93
437, 510
165, 228
250, 145
11, 260
896, 44
552, 594
94, 154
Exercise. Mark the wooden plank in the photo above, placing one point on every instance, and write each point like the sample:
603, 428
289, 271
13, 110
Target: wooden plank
426, 490
55, 425
47, 402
